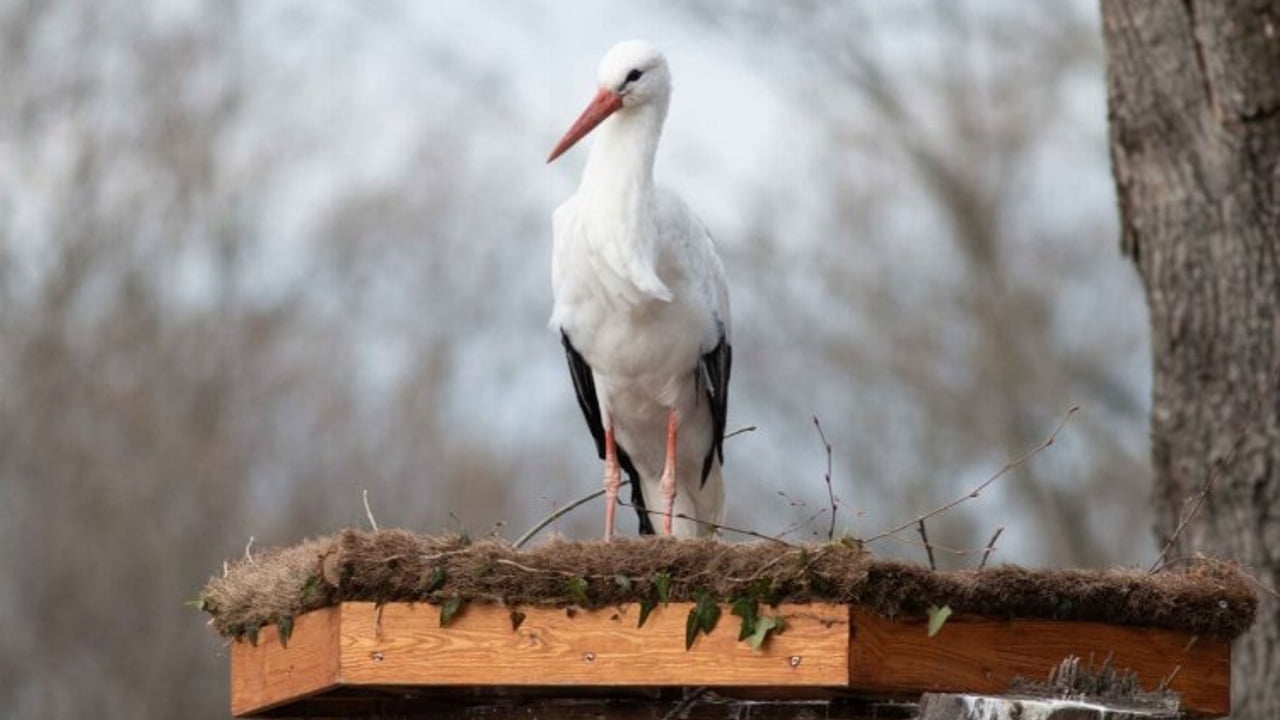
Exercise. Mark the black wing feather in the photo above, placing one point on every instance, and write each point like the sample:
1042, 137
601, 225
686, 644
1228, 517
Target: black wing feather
716, 366
584, 386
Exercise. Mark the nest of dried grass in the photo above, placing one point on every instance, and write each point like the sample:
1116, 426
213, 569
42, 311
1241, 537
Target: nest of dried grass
1208, 597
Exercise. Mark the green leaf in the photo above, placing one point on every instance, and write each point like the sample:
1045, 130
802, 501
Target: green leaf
449, 609
647, 604
436, 579
517, 619
197, 603
691, 625
623, 582
577, 589
762, 590
662, 581
748, 609
765, 626
284, 627
702, 618
251, 632
937, 616
309, 588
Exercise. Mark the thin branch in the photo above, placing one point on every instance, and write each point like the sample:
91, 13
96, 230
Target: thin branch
713, 526
557, 514
1222, 464
247, 553
927, 547
958, 552
369, 513
831, 496
1261, 585
990, 546
1219, 468
1008, 466
800, 524
740, 431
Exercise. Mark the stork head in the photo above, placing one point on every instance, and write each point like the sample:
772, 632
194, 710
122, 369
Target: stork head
632, 74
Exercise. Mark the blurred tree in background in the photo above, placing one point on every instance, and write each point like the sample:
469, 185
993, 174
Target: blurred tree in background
255, 258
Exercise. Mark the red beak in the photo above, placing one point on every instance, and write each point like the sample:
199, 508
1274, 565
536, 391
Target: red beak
604, 104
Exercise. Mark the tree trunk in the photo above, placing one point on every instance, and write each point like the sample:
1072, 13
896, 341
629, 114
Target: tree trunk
1194, 97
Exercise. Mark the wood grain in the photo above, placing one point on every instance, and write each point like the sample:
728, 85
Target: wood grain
591, 647
270, 674
983, 655
826, 649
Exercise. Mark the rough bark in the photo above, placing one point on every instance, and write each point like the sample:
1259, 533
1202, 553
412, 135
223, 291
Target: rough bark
1194, 98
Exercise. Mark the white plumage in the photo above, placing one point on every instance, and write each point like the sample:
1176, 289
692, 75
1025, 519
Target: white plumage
642, 305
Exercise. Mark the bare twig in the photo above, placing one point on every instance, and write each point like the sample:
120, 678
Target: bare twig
927, 547
248, 555
796, 526
790, 500
958, 552
1219, 467
1261, 585
831, 496
557, 514
740, 431
369, 513
990, 546
713, 526
1167, 680
526, 568
593, 495
1008, 466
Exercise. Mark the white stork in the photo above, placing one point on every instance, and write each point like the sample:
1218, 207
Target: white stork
642, 307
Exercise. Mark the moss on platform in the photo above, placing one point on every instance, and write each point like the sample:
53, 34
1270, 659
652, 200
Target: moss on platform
395, 565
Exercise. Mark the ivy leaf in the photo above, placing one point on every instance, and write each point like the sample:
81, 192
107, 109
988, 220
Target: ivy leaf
937, 616
623, 582
577, 589
309, 588
647, 604
517, 619
662, 582
762, 590
748, 609
435, 580
284, 627
449, 609
702, 618
765, 626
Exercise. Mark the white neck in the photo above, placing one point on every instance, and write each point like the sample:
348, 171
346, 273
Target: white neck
620, 164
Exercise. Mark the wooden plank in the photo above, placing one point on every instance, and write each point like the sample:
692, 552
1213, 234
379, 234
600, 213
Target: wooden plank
406, 646
983, 655
271, 674
825, 649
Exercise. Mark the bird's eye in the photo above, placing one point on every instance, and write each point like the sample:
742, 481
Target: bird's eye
634, 75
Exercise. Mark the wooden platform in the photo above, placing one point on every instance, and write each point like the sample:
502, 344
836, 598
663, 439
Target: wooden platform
359, 658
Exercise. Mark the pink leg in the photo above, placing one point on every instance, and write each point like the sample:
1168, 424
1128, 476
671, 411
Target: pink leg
612, 480
668, 484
